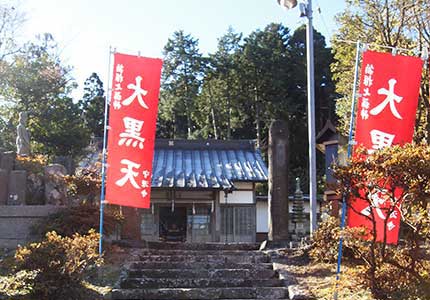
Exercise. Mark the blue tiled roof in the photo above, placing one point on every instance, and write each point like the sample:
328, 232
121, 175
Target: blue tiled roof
206, 164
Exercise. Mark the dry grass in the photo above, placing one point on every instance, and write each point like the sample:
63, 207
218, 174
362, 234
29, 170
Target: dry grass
320, 278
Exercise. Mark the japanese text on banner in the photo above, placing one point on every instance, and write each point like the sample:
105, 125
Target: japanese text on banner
132, 123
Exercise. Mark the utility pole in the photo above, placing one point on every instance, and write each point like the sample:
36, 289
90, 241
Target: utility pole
306, 11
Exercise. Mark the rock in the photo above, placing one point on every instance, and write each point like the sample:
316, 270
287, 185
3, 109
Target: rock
67, 162
55, 187
35, 189
299, 292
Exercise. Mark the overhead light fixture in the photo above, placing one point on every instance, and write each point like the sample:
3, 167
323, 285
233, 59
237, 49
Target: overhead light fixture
288, 4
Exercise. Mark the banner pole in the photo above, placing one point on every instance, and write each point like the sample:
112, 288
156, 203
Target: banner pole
350, 143
102, 192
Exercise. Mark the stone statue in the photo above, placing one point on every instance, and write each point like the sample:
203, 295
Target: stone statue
23, 137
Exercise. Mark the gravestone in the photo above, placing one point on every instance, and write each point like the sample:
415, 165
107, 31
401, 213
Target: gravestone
278, 182
17, 187
7, 161
4, 182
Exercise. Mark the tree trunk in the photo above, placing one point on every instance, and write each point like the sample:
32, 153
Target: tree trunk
214, 127
257, 117
228, 112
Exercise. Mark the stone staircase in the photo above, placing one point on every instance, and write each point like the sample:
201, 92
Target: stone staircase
200, 271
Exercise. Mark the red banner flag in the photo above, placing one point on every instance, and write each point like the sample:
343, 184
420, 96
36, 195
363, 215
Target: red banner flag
132, 122
389, 90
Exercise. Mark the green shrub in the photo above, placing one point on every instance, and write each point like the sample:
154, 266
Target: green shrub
60, 264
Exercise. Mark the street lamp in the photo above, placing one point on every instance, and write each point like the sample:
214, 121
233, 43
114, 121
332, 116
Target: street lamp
306, 11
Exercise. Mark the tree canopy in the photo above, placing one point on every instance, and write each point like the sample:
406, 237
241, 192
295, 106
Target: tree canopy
381, 24
236, 92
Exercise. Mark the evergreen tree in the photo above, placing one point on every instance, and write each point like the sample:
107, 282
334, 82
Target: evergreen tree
217, 105
181, 81
93, 105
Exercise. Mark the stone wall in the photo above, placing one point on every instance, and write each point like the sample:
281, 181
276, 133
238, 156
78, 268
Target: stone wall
19, 190
16, 222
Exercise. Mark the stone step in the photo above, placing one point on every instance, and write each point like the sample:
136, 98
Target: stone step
157, 283
199, 265
202, 293
200, 252
187, 246
203, 273
206, 258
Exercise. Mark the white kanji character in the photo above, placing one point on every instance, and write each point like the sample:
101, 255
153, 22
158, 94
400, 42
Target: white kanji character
118, 87
131, 136
391, 99
119, 68
364, 113
365, 103
138, 92
376, 199
380, 139
117, 96
393, 215
369, 69
145, 184
390, 225
366, 92
144, 193
118, 77
130, 174
367, 80
116, 105
145, 174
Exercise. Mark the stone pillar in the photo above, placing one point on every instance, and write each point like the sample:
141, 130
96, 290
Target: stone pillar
4, 182
7, 161
130, 229
17, 187
278, 182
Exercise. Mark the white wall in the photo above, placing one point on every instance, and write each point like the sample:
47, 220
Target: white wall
262, 217
263, 214
238, 197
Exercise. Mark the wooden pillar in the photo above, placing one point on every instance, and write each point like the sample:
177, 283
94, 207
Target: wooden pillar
278, 182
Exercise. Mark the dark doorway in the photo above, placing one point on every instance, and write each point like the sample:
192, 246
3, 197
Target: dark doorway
173, 225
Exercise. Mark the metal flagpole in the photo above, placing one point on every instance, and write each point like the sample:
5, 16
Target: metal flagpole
102, 193
350, 143
311, 120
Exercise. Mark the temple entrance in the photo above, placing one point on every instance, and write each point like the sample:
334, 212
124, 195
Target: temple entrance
173, 225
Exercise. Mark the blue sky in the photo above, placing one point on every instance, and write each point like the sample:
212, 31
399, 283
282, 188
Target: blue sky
84, 29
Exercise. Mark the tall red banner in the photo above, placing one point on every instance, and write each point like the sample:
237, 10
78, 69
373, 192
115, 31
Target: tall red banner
389, 90
132, 122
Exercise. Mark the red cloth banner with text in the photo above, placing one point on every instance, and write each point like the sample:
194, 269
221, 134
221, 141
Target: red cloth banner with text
132, 122
389, 90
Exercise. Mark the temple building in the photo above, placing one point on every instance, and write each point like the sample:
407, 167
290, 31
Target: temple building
203, 191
